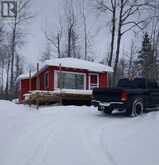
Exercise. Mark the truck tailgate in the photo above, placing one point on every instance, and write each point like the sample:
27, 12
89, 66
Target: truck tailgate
107, 95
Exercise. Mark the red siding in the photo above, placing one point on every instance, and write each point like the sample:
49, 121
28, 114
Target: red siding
87, 81
103, 80
33, 84
24, 89
51, 78
41, 77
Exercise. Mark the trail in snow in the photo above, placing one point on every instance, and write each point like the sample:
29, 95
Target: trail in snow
75, 135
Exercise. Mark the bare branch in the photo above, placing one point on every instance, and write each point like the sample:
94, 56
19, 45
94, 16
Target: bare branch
135, 24
51, 40
103, 7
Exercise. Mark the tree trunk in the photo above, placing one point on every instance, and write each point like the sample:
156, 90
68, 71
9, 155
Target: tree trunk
113, 34
85, 38
58, 46
12, 58
69, 43
7, 80
2, 76
131, 60
118, 44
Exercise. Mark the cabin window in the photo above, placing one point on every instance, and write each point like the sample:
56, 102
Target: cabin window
94, 81
46, 76
68, 80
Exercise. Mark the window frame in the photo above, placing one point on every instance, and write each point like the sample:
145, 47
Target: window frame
94, 74
77, 73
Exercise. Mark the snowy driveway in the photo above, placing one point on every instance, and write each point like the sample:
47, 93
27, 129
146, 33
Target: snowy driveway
76, 136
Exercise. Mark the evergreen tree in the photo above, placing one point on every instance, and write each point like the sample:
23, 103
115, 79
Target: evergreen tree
146, 61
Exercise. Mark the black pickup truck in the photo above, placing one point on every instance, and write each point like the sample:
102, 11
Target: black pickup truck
135, 96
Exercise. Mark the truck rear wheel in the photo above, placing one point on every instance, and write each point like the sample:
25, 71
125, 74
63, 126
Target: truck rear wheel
136, 108
108, 111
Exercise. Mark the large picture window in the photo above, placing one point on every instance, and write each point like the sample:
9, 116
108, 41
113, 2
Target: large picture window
67, 80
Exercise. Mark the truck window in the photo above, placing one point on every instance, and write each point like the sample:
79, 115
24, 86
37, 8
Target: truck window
132, 84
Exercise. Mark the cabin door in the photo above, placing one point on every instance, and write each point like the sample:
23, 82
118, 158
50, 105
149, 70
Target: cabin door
94, 81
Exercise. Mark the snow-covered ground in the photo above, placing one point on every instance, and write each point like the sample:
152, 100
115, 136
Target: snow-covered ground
76, 136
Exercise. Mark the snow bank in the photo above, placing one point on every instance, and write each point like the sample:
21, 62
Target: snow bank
76, 135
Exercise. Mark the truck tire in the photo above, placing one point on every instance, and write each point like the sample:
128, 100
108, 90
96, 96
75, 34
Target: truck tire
136, 107
108, 111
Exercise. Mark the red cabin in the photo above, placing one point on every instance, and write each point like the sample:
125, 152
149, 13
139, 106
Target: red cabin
65, 73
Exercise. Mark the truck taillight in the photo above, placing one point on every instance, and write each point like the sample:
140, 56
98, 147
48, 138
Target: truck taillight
124, 96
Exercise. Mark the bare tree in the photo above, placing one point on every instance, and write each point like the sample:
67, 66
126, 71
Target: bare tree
56, 40
71, 23
131, 59
47, 54
66, 39
85, 29
7, 45
131, 16
7, 70
2, 65
122, 68
18, 65
109, 7
72, 36
155, 28
2, 55
22, 17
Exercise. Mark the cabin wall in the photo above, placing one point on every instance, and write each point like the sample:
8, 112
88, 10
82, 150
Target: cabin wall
51, 78
103, 80
41, 78
24, 88
33, 84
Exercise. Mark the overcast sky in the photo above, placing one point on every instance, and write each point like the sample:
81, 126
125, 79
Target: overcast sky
47, 12
45, 15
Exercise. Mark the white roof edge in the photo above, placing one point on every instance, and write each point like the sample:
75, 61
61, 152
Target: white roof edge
71, 63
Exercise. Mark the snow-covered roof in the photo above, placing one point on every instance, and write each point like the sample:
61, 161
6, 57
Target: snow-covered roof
79, 64
25, 76
72, 63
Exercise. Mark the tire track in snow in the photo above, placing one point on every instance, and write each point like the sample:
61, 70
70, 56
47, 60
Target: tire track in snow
105, 148
137, 125
91, 139
31, 135
39, 150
